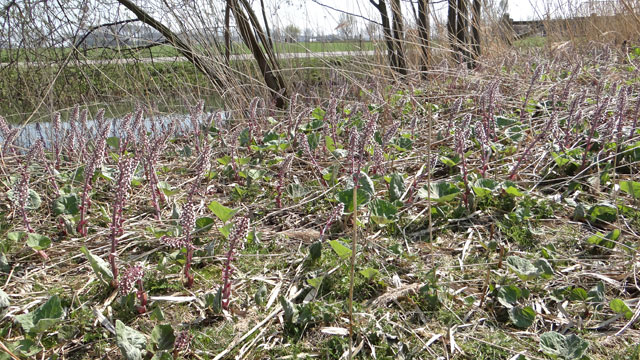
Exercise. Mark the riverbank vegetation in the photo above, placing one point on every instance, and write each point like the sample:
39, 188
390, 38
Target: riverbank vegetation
466, 212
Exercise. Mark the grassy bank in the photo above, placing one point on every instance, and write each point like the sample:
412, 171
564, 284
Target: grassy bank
498, 218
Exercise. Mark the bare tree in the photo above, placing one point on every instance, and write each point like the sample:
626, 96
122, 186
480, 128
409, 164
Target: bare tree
292, 32
394, 50
347, 26
422, 20
464, 35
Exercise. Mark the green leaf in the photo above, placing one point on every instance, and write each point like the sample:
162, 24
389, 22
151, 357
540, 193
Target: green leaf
16, 236
382, 211
157, 314
396, 187
631, 187
509, 295
167, 189
440, 192
99, 266
226, 230
33, 201
369, 273
569, 347
484, 187
318, 113
342, 251
597, 293
132, 343
38, 242
162, 338
66, 205
290, 311
315, 250
544, 268
4, 303
522, 317
113, 142
608, 241
204, 223
214, 301
261, 295
44, 317
602, 213
297, 191
450, 162
316, 282
578, 294
346, 197
523, 268
619, 307
221, 212
28, 348
366, 183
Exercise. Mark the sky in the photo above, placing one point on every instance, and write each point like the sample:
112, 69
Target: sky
308, 14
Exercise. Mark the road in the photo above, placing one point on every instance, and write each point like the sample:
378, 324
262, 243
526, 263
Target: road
284, 56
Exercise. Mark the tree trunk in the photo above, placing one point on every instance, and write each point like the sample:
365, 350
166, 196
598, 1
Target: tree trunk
475, 30
462, 23
227, 32
398, 36
452, 28
386, 30
266, 25
178, 44
247, 22
423, 31
389, 39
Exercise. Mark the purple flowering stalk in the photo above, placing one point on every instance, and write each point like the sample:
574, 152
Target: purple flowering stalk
548, 125
636, 112
38, 152
55, 138
233, 147
188, 218
304, 143
461, 137
196, 113
254, 129
71, 134
420, 177
335, 215
9, 135
483, 138
183, 339
534, 79
573, 117
284, 169
129, 280
619, 119
94, 163
238, 234
455, 109
127, 167
150, 152
595, 121
21, 194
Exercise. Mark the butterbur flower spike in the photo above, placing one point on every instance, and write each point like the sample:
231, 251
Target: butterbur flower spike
183, 340
335, 215
129, 278
128, 281
239, 233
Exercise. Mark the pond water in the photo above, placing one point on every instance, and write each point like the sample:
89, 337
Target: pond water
43, 129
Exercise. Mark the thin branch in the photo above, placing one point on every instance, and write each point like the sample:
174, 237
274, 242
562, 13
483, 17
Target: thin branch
94, 28
346, 12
